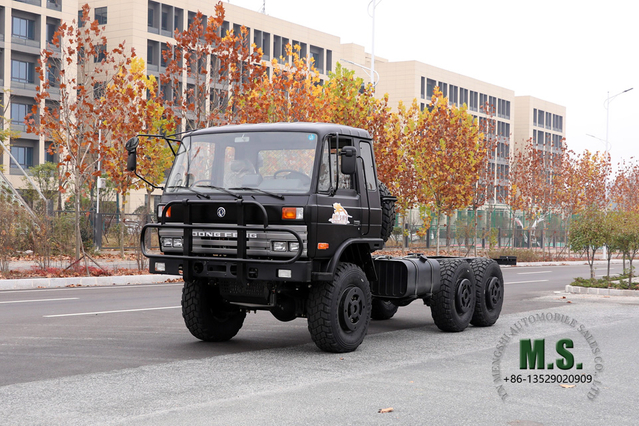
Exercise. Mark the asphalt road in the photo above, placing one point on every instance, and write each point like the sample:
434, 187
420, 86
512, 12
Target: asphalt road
121, 355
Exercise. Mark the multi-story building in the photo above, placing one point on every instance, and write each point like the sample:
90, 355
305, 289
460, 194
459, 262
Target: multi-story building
539, 121
147, 25
491, 104
26, 27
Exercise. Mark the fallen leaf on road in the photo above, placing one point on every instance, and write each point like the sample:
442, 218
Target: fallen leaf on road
385, 410
567, 386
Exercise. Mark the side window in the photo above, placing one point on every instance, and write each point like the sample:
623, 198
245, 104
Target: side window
324, 183
330, 166
369, 172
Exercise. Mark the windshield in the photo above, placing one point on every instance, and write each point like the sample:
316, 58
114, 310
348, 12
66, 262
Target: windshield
278, 162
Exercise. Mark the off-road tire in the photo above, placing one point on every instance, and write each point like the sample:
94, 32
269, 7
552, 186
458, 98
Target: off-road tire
452, 307
490, 292
388, 212
382, 309
206, 315
339, 311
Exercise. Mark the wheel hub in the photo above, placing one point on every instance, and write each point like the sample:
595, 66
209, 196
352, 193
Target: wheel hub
351, 308
464, 296
493, 293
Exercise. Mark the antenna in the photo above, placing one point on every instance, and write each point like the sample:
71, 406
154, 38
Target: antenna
263, 11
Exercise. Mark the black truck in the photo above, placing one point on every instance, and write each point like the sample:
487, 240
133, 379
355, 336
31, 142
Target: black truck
286, 217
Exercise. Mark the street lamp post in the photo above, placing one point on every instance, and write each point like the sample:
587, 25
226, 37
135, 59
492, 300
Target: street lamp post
607, 141
374, 3
607, 106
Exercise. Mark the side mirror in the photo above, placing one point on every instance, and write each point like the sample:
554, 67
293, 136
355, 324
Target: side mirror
131, 146
349, 160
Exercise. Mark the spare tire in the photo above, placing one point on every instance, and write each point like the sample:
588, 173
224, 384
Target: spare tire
388, 210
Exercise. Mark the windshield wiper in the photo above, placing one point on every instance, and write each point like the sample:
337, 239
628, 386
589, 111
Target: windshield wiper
219, 188
272, 194
198, 193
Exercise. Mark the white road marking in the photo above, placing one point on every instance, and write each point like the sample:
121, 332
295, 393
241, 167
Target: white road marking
38, 300
524, 282
110, 312
536, 272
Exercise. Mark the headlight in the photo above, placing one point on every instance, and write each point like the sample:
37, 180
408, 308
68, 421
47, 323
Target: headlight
293, 246
280, 246
172, 242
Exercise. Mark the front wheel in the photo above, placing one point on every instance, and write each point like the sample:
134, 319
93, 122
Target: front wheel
339, 311
453, 305
206, 315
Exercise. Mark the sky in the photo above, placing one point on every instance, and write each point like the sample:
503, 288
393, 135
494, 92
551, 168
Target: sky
569, 52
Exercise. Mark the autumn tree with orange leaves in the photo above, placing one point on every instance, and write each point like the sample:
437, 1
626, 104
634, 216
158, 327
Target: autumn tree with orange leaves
292, 93
218, 69
69, 109
536, 182
485, 189
448, 150
625, 187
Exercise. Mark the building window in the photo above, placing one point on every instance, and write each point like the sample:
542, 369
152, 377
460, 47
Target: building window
22, 71
23, 155
164, 25
430, 87
329, 61
100, 53
422, 90
99, 89
18, 112
483, 101
453, 95
503, 108
49, 156
492, 103
51, 30
473, 101
444, 88
463, 96
540, 118
101, 15
23, 28
317, 53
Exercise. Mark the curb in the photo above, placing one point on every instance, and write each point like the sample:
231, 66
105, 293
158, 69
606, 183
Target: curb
35, 283
601, 291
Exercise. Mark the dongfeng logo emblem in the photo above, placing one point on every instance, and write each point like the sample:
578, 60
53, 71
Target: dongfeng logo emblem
221, 211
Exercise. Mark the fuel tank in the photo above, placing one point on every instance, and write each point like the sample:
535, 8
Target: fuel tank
410, 277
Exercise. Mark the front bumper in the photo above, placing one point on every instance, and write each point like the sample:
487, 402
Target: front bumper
298, 271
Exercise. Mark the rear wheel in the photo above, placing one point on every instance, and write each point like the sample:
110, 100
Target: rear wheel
453, 305
339, 311
383, 309
489, 292
206, 315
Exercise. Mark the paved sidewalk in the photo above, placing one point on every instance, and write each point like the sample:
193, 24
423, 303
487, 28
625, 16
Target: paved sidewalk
32, 283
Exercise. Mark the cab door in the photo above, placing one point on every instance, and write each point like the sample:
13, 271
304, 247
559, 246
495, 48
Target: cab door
339, 202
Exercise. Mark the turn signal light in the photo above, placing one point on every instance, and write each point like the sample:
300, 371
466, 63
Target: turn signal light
322, 246
167, 213
292, 213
